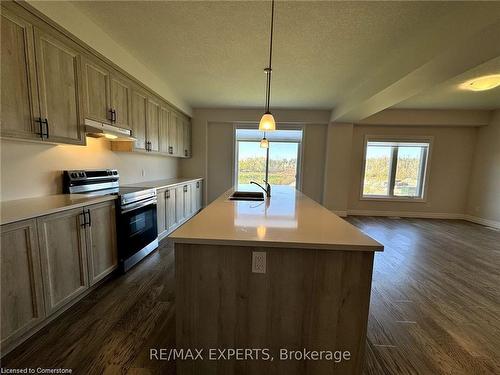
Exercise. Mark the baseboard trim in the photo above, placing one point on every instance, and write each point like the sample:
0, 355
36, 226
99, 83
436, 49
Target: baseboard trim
340, 213
424, 215
480, 220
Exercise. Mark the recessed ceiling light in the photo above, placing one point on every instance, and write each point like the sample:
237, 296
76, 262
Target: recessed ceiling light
482, 83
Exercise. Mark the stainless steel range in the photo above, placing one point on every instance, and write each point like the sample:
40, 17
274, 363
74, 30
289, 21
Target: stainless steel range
135, 211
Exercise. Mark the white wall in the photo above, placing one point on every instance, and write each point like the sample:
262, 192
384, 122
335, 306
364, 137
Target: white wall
484, 191
34, 169
450, 164
212, 140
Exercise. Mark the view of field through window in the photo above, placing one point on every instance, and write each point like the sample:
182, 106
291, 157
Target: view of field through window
408, 162
282, 162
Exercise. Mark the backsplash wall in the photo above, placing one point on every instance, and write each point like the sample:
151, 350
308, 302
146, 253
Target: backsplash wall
34, 169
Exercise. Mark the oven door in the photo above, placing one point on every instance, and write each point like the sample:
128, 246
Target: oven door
137, 227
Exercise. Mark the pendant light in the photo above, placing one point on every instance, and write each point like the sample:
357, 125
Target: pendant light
267, 121
264, 143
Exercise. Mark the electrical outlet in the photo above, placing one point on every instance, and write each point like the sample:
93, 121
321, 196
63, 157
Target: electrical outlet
143, 172
258, 262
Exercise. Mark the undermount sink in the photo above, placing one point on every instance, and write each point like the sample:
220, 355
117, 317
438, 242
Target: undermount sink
246, 196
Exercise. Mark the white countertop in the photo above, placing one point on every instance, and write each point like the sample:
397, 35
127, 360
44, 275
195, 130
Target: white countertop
159, 184
28, 208
288, 219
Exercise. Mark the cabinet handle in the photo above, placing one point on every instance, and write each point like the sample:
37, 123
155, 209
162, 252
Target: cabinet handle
90, 218
46, 122
170, 150
114, 115
197, 184
40, 123
185, 188
84, 218
167, 194
185, 152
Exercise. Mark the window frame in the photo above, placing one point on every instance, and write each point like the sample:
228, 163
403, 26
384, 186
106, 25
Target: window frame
255, 126
425, 174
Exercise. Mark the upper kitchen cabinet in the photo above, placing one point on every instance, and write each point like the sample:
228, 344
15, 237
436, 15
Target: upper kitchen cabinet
139, 109
96, 91
52, 83
180, 135
164, 144
107, 94
40, 101
187, 138
153, 125
58, 87
121, 97
19, 91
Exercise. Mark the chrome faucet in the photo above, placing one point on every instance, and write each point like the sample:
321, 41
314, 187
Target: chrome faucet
267, 189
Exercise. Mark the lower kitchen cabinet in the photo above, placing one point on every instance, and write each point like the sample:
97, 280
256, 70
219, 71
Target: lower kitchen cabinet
198, 192
187, 200
48, 263
167, 220
179, 203
170, 219
101, 241
63, 255
176, 204
22, 303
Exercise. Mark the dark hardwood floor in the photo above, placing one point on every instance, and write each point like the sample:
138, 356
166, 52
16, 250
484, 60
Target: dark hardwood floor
435, 308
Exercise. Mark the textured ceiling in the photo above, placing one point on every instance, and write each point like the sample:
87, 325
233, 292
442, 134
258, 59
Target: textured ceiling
213, 53
449, 95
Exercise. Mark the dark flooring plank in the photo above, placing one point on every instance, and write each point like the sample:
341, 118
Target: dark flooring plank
435, 308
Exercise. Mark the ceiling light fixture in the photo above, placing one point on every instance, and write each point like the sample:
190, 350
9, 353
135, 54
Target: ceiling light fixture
482, 83
267, 121
264, 143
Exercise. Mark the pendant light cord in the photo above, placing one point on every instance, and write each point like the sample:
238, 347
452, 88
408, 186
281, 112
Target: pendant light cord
269, 69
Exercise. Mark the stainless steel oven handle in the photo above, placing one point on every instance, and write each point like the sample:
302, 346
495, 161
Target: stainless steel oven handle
136, 205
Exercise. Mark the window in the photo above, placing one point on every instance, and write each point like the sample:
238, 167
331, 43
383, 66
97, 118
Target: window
280, 162
395, 169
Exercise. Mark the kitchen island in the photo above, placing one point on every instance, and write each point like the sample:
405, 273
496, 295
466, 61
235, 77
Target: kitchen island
311, 291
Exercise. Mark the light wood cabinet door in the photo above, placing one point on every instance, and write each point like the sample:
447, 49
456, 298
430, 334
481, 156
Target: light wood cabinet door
179, 204
21, 292
171, 217
180, 136
161, 211
187, 200
139, 108
186, 125
63, 257
58, 67
121, 101
164, 130
192, 197
199, 195
101, 241
153, 124
173, 148
18, 79
96, 91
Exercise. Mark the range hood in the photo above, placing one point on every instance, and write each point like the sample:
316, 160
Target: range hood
113, 133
